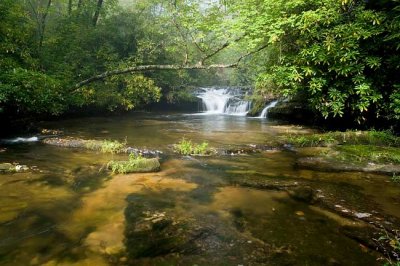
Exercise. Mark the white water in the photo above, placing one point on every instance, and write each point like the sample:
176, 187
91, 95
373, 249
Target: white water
223, 101
19, 140
265, 110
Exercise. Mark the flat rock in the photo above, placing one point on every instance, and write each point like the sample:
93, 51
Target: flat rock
322, 164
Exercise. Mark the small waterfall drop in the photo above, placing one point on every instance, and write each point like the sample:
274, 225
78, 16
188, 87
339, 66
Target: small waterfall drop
265, 110
21, 140
227, 101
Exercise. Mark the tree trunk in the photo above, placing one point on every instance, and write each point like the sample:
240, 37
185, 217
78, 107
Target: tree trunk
97, 12
69, 7
43, 23
79, 3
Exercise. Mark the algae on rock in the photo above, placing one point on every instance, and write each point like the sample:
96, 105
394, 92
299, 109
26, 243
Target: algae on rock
135, 164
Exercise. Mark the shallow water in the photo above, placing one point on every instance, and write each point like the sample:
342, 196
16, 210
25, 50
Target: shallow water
195, 211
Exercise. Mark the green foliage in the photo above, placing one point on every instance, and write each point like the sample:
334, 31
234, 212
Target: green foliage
395, 178
338, 53
105, 146
342, 56
184, 147
187, 147
31, 92
125, 93
371, 137
135, 163
368, 153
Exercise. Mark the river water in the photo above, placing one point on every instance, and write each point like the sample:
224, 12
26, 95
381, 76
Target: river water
195, 211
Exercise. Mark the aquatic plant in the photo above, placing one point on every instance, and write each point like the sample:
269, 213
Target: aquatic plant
105, 146
395, 178
350, 137
135, 163
368, 153
187, 147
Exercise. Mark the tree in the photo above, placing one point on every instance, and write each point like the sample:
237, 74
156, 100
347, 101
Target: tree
329, 51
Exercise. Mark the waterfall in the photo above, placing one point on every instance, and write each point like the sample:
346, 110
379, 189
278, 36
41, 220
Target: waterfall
224, 101
21, 140
265, 110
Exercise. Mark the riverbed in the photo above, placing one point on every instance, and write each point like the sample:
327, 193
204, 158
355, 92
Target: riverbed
213, 210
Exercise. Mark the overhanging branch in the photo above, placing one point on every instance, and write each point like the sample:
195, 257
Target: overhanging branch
148, 68
163, 67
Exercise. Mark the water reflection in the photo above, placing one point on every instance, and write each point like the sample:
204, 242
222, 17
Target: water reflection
205, 211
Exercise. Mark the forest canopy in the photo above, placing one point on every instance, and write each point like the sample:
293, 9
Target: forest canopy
340, 57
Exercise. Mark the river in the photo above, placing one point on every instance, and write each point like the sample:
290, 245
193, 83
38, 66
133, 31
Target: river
195, 211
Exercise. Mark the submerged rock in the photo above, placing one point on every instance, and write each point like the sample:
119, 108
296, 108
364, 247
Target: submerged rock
305, 194
322, 164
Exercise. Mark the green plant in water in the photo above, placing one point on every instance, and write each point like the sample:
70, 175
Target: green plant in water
371, 137
368, 153
184, 147
200, 148
135, 163
106, 146
395, 178
187, 147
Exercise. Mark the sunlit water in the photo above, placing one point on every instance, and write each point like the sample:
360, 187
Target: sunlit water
192, 212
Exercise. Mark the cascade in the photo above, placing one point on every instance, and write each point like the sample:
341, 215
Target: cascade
19, 140
223, 100
265, 110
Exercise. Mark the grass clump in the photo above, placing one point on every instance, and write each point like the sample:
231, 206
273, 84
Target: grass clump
368, 153
105, 146
187, 147
371, 137
135, 164
395, 178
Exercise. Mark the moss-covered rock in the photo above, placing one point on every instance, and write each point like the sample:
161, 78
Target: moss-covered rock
135, 165
291, 111
257, 107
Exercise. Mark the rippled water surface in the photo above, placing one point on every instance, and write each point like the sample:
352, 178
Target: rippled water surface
196, 211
